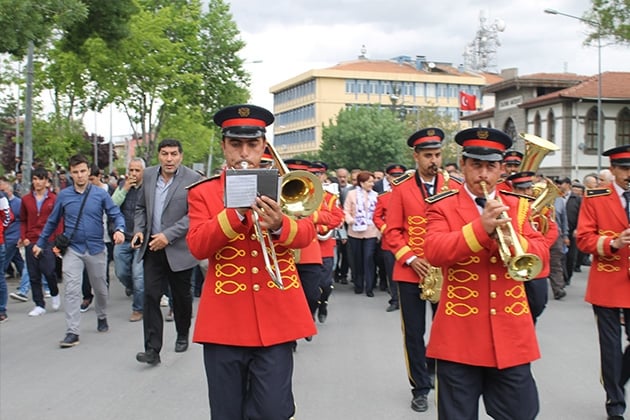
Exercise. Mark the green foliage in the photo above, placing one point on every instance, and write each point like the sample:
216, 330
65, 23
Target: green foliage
23, 21
372, 137
55, 140
614, 19
107, 20
188, 128
365, 138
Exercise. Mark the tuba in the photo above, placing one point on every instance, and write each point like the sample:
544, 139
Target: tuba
520, 265
432, 283
536, 148
301, 193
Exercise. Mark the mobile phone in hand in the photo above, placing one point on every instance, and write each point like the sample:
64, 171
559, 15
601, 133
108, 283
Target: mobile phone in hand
137, 241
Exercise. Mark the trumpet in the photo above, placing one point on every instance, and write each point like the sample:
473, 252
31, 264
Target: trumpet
301, 193
520, 265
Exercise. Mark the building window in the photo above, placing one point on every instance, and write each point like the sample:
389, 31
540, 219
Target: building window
623, 127
590, 131
509, 128
551, 126
537, 124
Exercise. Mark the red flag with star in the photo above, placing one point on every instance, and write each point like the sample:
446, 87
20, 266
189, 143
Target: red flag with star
467, 102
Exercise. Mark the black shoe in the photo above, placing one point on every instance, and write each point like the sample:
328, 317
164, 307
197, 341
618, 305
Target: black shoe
392, 307
616, 417
577, 270
128, 291
344, 281
70, 340
102, 325
559, 294
309, 338
322, 313
150, 356
420, 403
370, 294
358, 291
181, 344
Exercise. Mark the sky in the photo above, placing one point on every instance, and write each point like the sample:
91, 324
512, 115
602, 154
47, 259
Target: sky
285, 38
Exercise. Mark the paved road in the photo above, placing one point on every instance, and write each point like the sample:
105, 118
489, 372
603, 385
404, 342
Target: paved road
353, 369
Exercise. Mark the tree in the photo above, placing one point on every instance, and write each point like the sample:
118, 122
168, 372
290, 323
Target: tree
614, 19
25, 21
429, 117
364, 137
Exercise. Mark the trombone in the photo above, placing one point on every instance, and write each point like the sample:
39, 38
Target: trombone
301, 193
520, 265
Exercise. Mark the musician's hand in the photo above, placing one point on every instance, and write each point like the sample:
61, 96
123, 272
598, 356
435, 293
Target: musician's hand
622, 240
269, 212
490, 214
420, 266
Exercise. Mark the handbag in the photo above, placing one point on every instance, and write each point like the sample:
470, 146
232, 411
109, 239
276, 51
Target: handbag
62, 242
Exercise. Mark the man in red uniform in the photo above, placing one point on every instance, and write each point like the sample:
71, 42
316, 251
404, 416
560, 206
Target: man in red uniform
405, 237
392, 172
246, 323
483, 336
603, 231
327, 218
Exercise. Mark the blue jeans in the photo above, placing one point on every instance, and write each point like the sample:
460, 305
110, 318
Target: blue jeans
130, 273
4, 294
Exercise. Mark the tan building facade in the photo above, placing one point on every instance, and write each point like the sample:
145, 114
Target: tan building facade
562, 108
305, 102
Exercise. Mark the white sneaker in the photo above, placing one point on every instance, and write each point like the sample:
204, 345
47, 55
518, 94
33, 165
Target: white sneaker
37, 311
56, 302
164, 301
47, 294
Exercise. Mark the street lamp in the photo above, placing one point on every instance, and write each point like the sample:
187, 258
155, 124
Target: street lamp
599, 78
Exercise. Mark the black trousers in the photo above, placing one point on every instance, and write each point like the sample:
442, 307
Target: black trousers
249, 383
36, 267
615, 364
310, 275
508, 394
536, 290
158, 277
413, 318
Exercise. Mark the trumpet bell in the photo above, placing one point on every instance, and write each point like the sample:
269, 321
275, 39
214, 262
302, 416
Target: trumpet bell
524, 267
300, 193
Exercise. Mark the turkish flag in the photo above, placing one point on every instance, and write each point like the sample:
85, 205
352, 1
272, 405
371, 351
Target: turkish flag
467, 102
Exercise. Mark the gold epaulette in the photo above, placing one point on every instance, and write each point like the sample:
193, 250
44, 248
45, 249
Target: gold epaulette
597, 192
201, 181
404, 177
437, 197
518, 195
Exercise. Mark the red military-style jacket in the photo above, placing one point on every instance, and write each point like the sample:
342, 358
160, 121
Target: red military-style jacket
407, 224
240, 305
602, 218
328, 217
483, 318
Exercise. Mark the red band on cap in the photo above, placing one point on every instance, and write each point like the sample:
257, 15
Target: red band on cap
488, 144
426, 140
522, 179
233, 122
295, 167
622, 155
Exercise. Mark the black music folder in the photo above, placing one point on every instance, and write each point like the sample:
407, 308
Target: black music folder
243, 185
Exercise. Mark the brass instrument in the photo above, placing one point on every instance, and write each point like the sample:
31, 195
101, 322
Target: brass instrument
536, 148
431, 285
520, 265
301, 193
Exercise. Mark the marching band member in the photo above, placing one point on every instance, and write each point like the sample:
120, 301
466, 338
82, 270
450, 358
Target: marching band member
603, 231
405, 237
483, 336
245, 322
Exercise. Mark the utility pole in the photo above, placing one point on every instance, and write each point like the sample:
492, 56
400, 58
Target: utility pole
27, 161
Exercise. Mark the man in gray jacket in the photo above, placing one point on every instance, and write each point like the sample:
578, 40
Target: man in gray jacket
160, 227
